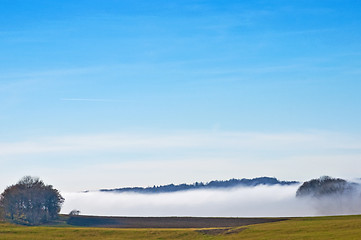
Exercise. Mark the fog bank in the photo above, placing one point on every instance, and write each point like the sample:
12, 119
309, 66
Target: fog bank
236, 202
260, 201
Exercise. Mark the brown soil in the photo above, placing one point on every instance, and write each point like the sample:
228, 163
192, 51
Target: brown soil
167, 222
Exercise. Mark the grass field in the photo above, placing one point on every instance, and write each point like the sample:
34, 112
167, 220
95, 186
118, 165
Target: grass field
340, 227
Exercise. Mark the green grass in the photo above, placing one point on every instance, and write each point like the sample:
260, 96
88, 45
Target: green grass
340, 227
9, 231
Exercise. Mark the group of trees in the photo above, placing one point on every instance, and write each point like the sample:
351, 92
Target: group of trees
30, 202
325, 186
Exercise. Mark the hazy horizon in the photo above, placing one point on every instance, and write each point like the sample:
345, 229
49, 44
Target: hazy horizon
258, 201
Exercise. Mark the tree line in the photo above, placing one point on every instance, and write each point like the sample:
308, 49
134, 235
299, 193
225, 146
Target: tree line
244, 182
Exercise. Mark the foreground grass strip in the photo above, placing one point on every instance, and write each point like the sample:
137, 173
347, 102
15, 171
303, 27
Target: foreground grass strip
342, 227
9, 232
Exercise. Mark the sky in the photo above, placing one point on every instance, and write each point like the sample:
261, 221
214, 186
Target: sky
105, 94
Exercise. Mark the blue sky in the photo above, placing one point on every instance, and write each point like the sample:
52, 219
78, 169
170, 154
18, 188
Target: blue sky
153, 92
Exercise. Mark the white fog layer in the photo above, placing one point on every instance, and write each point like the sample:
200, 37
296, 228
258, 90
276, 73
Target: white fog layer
260, 201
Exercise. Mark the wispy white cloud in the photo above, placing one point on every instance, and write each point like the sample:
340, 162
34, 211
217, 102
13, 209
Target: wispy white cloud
143, 159
89, 99
24, 74
183, 140
305, 31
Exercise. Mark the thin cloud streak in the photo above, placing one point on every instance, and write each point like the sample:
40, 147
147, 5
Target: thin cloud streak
121, 159
51, 73
226, 141
89, 99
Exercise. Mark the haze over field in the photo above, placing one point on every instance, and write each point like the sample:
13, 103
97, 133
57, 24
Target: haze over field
259, 201
106, 94
247, 201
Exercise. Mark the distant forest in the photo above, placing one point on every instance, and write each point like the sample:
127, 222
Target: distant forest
200, 185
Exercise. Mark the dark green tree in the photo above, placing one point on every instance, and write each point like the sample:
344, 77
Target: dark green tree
325, 186
30, 202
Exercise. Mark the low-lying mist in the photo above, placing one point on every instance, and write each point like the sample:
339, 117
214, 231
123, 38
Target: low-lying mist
259, 201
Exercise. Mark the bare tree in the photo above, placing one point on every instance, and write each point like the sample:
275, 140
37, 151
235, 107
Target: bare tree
31, 202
